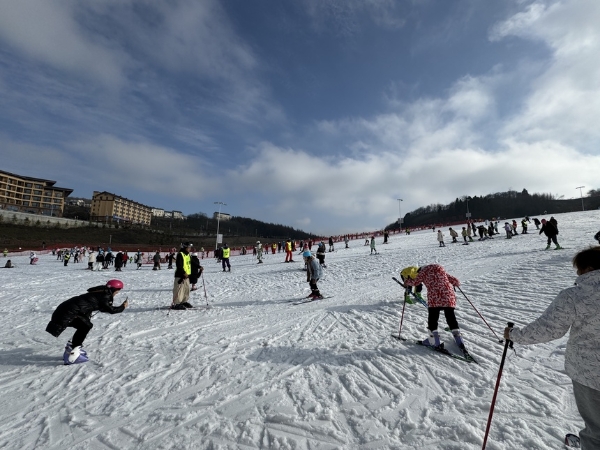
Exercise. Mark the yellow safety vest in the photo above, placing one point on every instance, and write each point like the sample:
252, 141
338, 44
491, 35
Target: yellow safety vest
187, 263
226, 252
288, 246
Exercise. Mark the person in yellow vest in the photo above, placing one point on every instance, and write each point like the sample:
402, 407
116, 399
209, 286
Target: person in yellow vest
181, 284
225, 251
288, 251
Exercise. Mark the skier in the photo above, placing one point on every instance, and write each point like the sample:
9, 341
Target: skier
181, 283
156, 260
66, 258
373, 249
346, 240
91, 260
225, 252
99, 261
331, 247
77, 312
597, 237
508, 230
9, 265
469, 232
313, 273
440, 238
550, 230
524, 225
197, 270
170, 259
464, 235
288, 251
321, 253
5, 252
454, 235
576, 309
514, 227
139, 259
118, 262
32, 258
258, 252
536, 222
440, 297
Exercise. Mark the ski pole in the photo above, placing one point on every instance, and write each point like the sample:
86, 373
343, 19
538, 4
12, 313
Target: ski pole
482, 318
507, 344
204, 286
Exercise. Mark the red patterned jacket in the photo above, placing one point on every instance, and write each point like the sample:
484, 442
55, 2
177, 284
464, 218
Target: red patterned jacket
440, 291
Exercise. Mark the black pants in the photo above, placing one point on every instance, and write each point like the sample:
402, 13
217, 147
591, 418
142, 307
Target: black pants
313, 287
434, 316
550, 239
83, 327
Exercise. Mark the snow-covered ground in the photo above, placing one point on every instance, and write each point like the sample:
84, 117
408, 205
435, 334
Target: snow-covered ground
254, 371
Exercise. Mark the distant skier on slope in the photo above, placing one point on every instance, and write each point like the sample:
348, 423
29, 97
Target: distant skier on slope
77, 312
575, 309
440, 297
440, 238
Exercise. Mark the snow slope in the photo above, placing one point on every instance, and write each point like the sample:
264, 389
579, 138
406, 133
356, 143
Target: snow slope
255, 371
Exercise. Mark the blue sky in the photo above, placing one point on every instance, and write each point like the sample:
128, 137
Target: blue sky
318, 114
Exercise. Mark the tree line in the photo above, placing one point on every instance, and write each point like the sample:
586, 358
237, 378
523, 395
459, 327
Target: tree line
507, 204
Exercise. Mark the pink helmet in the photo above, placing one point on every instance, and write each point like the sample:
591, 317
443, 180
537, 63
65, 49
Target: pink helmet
543, 220
114, 284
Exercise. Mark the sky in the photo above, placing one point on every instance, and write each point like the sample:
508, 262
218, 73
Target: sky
317, 114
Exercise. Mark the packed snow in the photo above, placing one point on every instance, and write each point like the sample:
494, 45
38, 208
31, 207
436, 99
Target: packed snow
255, 371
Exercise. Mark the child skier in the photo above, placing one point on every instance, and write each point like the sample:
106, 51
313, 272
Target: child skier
440, 297
313, 273
576, 309
440, 238
77, 312
373, 249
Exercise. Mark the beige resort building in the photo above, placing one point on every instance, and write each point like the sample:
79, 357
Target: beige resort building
111, 208
21, 193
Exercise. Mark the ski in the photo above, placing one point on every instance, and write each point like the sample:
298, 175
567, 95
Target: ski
443, 351
310, 300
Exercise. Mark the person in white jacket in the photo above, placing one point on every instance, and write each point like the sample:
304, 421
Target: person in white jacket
576, 309
91, 260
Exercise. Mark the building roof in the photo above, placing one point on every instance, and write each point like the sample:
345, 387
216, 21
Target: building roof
48, 184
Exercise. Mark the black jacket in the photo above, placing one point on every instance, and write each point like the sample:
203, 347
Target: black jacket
196, 269
98, 298
548, 229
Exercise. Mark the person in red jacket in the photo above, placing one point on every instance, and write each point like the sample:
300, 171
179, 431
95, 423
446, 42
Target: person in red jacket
440, 297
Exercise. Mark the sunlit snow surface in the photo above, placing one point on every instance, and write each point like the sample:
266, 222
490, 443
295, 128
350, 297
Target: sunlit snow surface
256, 372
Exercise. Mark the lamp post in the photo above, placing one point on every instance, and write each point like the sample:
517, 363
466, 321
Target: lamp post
580, 188
218, 221
468, 213
400, 212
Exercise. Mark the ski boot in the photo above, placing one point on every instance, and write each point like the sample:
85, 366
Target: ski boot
461, 345
558, 247
572, 440
433, 340
75, 355
547, 247
408, 299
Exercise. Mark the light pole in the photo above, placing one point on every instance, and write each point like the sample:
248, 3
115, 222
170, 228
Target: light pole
468, 213
218, 221
580, 188
400, 212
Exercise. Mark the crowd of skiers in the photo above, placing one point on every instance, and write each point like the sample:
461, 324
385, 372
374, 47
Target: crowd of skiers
488, 229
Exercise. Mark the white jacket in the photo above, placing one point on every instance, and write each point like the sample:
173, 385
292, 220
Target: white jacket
92, 257
577, 308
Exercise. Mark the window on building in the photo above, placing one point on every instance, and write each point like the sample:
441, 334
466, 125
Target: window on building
37, 192
37, 198
38, 186
28, 185
25, 203
36, 204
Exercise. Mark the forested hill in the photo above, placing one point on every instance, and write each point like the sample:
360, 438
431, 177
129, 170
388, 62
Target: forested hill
501, 204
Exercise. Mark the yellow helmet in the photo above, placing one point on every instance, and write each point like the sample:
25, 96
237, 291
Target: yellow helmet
409, 272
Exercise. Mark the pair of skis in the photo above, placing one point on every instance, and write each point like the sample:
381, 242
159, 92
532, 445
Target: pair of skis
309, 300
466, 356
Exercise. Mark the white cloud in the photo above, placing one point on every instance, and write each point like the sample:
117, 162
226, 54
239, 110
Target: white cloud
48, 32
564, 101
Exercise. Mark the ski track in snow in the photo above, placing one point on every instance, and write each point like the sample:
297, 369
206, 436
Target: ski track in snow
254, 372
